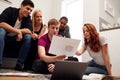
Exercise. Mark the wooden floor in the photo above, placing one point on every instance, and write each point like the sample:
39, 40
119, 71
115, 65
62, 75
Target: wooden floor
17, 78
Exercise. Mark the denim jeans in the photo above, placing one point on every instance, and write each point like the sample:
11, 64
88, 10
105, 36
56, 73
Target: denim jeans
25, 45
41, 67
95, 68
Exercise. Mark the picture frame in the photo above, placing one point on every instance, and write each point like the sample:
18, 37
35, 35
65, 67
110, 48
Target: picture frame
6, 1
106, 26
109, 8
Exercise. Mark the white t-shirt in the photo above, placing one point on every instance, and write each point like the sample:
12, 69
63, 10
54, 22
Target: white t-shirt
17, 25
97, 56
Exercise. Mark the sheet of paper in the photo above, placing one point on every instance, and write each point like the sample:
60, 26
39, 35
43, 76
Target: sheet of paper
62, 45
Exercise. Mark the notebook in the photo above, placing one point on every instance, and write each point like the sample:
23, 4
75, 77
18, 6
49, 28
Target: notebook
69, 70
63, 46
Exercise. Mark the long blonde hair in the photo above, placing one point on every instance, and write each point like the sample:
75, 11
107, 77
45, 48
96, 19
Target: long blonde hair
33, 18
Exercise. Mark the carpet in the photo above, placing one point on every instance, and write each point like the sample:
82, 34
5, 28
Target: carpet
10, 74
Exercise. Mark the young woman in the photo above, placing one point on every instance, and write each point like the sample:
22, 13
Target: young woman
37, 23
38, 30
97, 48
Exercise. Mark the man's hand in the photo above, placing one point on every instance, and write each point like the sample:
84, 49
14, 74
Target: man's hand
60, 57
51, 67
19, 36
26, 31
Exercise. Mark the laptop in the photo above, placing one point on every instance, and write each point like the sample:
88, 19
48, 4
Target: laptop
69, 70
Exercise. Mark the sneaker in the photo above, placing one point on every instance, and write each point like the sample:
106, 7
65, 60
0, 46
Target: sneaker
18, 67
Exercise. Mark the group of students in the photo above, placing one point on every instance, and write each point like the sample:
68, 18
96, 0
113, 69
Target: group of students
16, 24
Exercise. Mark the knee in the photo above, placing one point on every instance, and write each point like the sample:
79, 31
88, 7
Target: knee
37, 63
36, 66
39, 67
87, 72
27, 37
90, 70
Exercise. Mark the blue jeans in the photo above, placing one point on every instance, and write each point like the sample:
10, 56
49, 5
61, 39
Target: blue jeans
25, 45
95, 68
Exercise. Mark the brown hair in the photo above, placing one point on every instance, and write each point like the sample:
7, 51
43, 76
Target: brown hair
94, 41
52, 21
27, 2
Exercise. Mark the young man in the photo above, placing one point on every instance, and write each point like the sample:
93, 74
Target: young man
64, 28
45, 62
15, 24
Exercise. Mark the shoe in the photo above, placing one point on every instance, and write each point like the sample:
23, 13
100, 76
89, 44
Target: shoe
18, 67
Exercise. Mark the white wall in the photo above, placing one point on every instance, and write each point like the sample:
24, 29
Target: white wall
4, 4
49, 8
112, 35
91, 12
114, 49
110, 19
90, 15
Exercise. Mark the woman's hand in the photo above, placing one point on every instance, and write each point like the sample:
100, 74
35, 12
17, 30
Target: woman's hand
77, 53
34, 36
